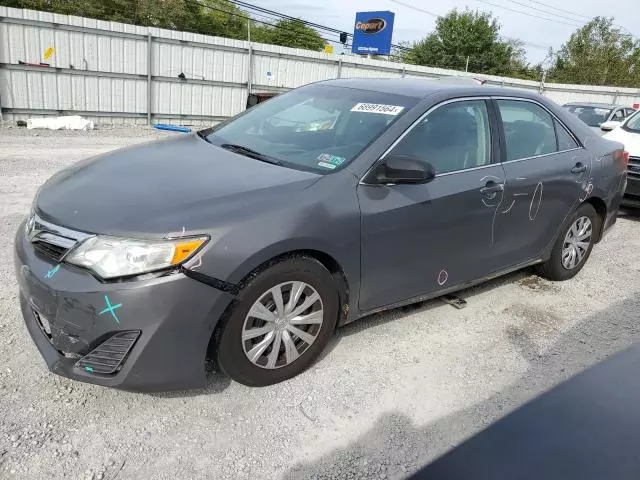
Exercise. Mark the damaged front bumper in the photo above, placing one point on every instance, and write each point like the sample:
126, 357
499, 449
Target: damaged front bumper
141, 335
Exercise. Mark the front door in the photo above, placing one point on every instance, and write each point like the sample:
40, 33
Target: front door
418, 239
548, 174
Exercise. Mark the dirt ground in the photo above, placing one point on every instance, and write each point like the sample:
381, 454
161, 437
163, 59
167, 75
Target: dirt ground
394, 390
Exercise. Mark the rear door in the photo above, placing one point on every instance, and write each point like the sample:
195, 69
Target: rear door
418, 239
547, 175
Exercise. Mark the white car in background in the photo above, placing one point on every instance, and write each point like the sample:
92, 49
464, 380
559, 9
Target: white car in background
597, 114
628, 132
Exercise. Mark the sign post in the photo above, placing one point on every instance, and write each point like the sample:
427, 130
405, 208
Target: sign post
372, 33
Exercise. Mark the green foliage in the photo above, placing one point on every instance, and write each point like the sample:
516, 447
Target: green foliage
219, 18
466, 34
288, 33
598, 54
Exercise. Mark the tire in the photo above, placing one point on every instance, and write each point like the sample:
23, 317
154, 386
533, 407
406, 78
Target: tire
553, 268
247, 318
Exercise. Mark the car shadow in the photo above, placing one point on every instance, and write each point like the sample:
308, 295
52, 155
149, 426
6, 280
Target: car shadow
395, 447
217, 381
396, 314
632, 214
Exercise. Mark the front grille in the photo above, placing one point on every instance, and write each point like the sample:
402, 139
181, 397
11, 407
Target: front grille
634, 167
107, 357
52, 240
56, 252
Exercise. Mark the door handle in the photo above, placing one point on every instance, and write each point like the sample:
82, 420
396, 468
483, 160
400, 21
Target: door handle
579, 168
492, 188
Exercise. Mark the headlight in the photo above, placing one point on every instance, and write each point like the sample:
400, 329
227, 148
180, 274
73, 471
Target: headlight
111, 257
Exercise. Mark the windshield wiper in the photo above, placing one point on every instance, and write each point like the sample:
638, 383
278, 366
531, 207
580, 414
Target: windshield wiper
248, 152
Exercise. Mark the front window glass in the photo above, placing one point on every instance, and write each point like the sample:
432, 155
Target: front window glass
318, 128
618, 116
455, 136
633, 124
592, 116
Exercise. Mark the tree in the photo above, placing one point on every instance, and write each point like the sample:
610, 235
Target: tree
210, 17
289, 33
468, 34
599, 54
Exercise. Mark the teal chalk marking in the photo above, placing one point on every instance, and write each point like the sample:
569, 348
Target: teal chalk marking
111, 308
89, 369
52, 272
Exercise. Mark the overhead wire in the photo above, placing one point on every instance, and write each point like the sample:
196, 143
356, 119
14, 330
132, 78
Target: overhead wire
249, 6
528, 14
248, 18
533, 45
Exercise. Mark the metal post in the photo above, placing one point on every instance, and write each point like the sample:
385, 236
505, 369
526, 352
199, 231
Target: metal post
615, 96
149, 98
250, 75
404, 71
466, 68
339, 74
544, 76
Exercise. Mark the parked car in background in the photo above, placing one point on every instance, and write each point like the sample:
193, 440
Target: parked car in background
595, 114
254, 239
628, 133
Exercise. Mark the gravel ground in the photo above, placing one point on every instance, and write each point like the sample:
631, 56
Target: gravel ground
394, 390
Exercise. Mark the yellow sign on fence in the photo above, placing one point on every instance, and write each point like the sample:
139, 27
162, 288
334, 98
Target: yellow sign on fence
328, 48
48, 52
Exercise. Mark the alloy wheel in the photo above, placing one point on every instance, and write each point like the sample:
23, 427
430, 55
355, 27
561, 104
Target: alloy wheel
576, 243
282, 324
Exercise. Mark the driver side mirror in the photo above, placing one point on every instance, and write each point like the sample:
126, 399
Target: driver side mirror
610, 125
402, 169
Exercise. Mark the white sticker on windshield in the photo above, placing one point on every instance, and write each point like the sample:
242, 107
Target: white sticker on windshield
327, 165
377, 108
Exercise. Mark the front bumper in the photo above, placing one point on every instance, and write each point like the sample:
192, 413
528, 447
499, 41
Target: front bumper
174, 317
632, 192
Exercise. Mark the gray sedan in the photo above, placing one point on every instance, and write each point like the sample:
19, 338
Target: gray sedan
251, 241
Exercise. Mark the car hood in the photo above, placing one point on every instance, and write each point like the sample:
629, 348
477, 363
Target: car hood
630, 140
180, 184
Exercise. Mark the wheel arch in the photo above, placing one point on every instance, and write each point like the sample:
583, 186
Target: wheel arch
601, 209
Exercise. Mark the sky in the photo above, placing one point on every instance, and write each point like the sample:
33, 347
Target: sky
411, 24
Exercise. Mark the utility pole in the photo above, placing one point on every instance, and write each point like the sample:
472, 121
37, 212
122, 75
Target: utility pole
544, 77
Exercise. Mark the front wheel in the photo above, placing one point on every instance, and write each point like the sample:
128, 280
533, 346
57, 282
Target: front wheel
282, 321
573, 246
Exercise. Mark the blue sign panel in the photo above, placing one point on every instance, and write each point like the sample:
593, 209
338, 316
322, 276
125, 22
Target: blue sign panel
372, 33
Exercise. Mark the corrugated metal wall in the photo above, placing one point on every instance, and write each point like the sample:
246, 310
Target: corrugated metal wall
101, 70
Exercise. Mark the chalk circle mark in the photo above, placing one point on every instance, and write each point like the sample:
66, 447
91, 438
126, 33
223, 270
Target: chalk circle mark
536, 199
443, 276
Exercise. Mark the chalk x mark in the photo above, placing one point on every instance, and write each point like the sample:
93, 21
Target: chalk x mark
50, 273
111, 308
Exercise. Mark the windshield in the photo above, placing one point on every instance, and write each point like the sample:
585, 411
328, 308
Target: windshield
633, 124
592, 116
318, 127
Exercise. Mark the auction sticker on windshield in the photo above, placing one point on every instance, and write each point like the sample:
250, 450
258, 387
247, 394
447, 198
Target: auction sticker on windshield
377, 108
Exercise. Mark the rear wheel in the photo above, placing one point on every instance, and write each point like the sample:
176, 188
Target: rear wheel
573, 246
282, 321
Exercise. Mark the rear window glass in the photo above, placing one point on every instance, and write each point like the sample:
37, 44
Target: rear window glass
565, 140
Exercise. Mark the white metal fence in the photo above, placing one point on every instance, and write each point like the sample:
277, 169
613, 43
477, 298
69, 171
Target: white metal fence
119, 73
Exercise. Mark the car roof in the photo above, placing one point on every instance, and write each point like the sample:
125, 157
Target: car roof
423, 87
593, 104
